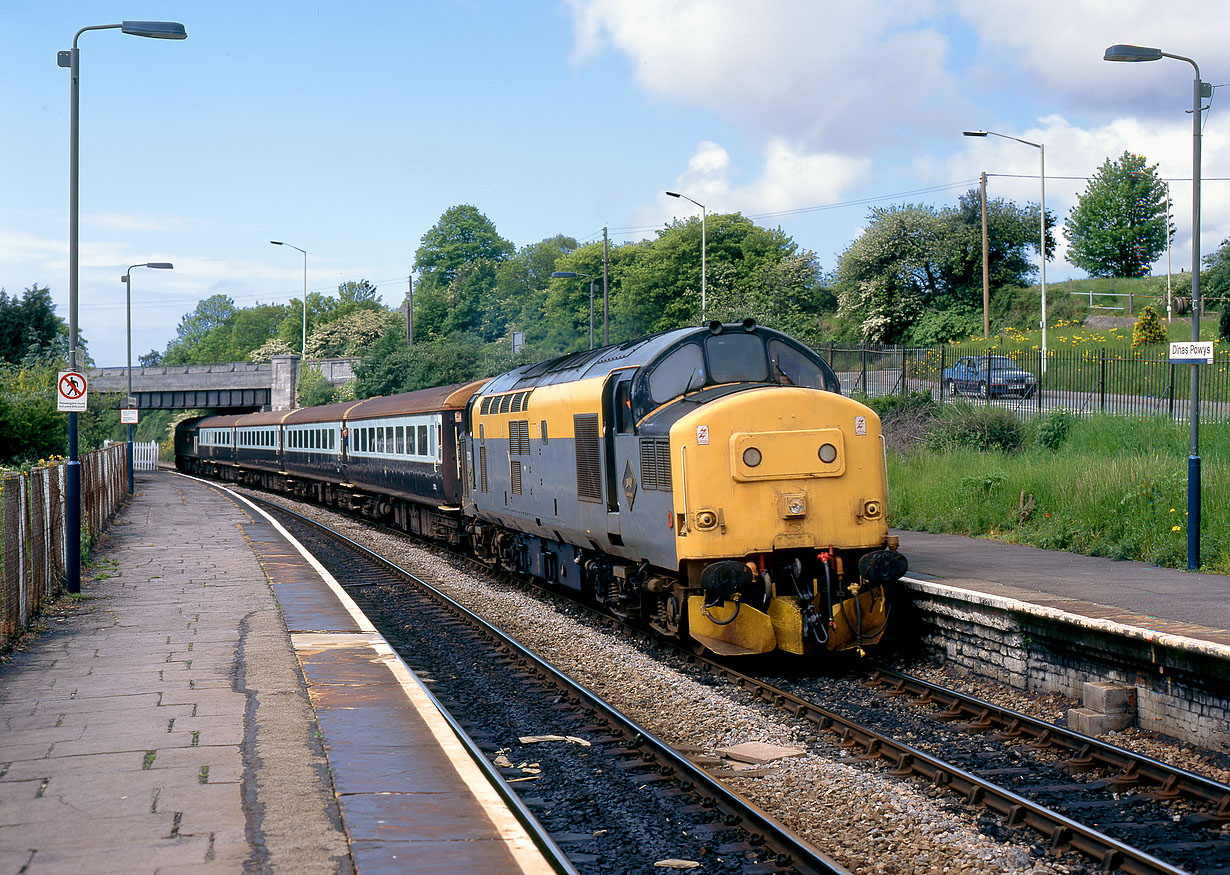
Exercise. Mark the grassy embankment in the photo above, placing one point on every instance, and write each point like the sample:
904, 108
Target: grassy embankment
1114, 487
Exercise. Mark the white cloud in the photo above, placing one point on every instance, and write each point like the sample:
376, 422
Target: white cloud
816, 73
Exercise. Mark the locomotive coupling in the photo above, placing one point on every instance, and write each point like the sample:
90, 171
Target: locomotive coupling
722, 580
882, 566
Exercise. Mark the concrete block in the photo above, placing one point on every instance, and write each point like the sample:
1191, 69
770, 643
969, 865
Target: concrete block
1108, 697
1089, 722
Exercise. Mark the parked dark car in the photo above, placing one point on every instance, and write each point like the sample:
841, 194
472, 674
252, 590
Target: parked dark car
989, 376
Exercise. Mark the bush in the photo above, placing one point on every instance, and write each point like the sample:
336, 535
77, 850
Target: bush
1052, 429
962, 426
1223, 322
1148, 329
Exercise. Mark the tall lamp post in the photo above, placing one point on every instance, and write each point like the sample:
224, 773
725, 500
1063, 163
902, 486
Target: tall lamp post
703, 213
1200, 90
1041, 221
127, 280
303, 345
72, 60
569, 275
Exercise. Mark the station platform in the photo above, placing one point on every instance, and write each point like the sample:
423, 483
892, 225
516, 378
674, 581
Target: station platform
1161, 601
214, 703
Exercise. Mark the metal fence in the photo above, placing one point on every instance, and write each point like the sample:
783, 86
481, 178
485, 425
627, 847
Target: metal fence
1082, 381
32, 534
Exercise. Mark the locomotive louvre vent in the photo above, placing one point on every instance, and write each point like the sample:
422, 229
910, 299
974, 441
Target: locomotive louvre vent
486, 408
589, 457
519, 437
482, 468
505, 403
515, 471
656, 463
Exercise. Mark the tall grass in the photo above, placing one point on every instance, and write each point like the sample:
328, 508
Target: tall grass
1115, 487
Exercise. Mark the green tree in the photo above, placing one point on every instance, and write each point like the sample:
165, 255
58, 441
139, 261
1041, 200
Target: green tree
350, 334
462, 235
210, 317
30, 331
361, 292
30, 427
314, 389
1215, 278
391, 365
1118, 226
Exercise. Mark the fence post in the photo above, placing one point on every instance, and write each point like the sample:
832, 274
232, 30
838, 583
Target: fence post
10, 507
1102, 382
904, 386
943, 352
866, 391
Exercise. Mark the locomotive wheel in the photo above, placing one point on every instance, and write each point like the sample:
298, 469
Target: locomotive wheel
669, 617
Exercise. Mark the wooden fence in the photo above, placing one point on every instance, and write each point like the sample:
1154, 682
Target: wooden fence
32, 534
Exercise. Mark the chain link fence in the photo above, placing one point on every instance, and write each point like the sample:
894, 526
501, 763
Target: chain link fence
33, 534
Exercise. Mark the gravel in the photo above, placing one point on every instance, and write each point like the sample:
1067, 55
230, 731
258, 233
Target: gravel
868, 821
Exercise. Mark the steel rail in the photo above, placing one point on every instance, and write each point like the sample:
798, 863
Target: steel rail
1087, 752
1062, 831
790, 849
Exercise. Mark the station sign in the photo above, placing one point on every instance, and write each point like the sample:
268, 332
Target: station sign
71, 392
128, 416
1192, 352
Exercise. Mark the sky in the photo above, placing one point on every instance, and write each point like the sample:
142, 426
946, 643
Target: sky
347, 129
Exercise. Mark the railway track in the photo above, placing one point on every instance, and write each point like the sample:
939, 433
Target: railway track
490, 683
1199, 838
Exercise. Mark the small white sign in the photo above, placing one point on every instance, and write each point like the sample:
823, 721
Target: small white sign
702, 435
1192, 352
128, 416
860, 425
71, 392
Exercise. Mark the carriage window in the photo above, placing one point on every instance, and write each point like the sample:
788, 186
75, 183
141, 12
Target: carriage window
682, 369
422, 440
736, 358
401, 440
388, 439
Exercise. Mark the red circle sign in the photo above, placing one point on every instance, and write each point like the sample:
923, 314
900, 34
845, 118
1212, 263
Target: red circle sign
72, 385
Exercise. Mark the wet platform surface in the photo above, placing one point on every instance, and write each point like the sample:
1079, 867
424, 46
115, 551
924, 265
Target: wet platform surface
1166, 601
215, 704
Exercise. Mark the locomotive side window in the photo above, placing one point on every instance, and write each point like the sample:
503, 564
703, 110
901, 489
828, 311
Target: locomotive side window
736, 358
682, 369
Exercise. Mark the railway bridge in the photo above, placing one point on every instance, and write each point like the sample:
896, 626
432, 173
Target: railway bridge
230, 386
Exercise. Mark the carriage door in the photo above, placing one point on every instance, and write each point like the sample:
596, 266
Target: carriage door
616, 420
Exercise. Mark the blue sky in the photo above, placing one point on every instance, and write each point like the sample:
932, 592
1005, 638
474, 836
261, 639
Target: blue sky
347, 129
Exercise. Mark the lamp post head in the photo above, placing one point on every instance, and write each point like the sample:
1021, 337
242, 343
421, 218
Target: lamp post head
1132, 53
974, 133
160, 265
277, 242
674, 194
155, 29
563, 275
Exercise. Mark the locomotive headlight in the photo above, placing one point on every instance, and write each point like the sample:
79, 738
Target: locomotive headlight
751, 457
796, 506
828, 454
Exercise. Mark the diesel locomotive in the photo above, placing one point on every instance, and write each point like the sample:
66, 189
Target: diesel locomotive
710, 482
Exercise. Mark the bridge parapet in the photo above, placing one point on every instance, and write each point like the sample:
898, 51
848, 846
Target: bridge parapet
224, 385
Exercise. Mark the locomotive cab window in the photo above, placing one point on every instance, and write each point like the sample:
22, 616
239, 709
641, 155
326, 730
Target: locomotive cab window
680, 371
736, 358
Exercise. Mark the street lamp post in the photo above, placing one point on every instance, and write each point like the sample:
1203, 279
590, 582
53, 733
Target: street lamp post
127, 280
1200, 90
703, 213
72, 60
569, 275
1041, 222
303, 345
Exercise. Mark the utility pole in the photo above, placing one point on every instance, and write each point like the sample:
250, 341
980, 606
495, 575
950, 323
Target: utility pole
410, 310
